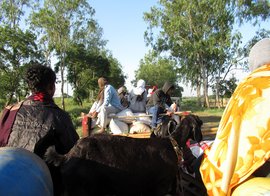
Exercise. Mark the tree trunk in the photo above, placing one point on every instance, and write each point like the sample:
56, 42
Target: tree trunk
62, 82
205, 88
79, 100
217, 93
198, 90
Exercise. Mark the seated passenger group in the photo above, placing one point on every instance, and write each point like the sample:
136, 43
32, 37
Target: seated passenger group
131, 108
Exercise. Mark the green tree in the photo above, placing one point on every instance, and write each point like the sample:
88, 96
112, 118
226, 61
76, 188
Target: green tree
116, 75
156, 70
85, 66
58, 22
11, 12
199, 35
193, 37
17, 50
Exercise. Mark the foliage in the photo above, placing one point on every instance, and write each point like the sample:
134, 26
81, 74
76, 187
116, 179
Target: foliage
227, 87
11, 12
85, 66
254, 11
199, 35
156, 70
195, 38
116, 75
58, 22
67, 32
18, 50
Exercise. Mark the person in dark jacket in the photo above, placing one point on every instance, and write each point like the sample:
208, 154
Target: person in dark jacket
37, 122
159, 103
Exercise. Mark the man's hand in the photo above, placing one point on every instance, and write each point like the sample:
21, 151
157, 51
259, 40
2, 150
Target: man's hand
174, 107
93, 114
169, 113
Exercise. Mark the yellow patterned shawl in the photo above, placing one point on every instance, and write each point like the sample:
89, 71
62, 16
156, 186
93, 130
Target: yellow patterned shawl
242, 143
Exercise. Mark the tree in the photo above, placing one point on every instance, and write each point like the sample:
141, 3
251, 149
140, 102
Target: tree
11, 12
199, 35
224, 89
156, 70
58, 22
17, 51
116, 75
85, 66
193, 37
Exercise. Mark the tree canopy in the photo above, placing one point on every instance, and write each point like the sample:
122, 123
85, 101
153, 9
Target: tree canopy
61, 34
200, 36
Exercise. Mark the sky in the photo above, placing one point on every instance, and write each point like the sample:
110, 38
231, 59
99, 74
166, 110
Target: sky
123, 27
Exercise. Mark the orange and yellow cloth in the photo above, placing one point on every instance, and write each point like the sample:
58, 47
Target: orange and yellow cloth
242, 143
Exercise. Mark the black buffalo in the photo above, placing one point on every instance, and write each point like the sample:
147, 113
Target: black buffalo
103, 164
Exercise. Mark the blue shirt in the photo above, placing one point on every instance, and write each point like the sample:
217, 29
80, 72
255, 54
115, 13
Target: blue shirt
111, 98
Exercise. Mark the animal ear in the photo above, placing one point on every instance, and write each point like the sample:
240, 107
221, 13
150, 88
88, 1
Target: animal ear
198, 135
185, 130
197, 132
200, 122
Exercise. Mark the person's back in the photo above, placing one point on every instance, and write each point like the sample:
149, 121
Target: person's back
161, 97
138, 98
37, 123
40, 124
241, 146
111, 97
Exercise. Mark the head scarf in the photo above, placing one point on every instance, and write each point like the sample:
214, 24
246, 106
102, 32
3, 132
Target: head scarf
140, 88
101, 83
259, 54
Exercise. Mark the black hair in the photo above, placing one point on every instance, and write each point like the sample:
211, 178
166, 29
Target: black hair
39, 76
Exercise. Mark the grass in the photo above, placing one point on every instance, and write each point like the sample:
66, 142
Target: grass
191, 104
75, 111
210, 116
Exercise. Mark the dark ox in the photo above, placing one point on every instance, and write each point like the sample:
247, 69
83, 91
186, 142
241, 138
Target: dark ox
103, 164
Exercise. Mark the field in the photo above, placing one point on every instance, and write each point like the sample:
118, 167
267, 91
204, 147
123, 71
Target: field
210, 117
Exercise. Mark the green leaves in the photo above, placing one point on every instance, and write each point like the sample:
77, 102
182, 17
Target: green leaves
18, 50
156, 71
199, 35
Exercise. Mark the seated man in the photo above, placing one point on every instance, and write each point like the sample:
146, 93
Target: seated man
110, 103
159, 103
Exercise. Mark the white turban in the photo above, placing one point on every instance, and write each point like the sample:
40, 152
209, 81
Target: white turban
259, 54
